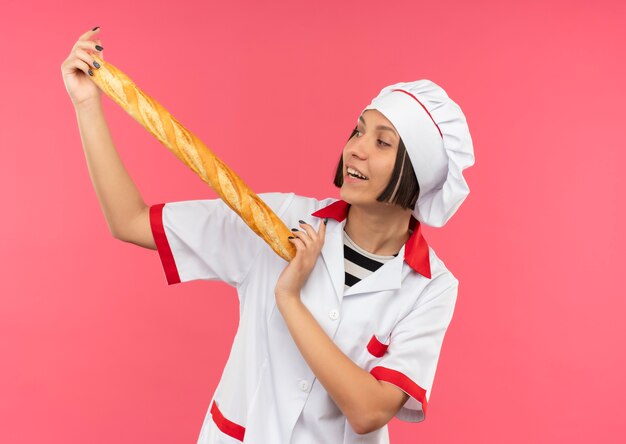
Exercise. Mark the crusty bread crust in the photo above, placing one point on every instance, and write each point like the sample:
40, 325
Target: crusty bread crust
195, 154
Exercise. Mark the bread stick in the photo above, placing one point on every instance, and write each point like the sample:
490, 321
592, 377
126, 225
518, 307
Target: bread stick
195, 154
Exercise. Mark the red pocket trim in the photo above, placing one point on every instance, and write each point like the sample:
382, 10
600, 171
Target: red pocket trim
377, 348
228, 427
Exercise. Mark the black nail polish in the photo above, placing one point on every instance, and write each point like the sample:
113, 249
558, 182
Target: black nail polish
294, 229
99, 48
291, 237
96, 64
301, 221
325, 221
95, 28
90, 72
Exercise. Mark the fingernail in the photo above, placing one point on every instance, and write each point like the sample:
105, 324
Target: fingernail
294, 229
90, 72
95, 28
325, 221
99, 48
302, 222
96, 64
291, 237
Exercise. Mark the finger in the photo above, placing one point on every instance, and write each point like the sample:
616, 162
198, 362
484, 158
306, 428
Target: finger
304, 237
309, 230
321, 233
79, 64
88, 45
298, 243
100, 52
89, 33
82, 55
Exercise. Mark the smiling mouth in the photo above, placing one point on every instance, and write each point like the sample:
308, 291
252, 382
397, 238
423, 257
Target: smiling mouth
351, 172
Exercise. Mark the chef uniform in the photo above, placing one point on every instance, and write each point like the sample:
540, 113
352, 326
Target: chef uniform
391, 323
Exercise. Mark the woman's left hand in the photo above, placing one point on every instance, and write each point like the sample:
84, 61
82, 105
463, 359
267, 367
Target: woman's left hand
308, 247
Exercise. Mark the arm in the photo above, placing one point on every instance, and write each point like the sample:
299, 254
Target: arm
125, 212
367, 403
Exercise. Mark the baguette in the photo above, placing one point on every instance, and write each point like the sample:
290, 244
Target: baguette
195, 154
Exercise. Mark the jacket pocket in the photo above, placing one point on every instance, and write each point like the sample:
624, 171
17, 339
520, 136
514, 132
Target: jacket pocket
376, 347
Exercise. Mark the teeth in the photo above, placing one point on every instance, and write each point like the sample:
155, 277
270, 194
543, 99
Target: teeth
354, 172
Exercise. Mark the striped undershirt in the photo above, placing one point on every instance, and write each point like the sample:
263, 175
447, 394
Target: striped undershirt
359, 263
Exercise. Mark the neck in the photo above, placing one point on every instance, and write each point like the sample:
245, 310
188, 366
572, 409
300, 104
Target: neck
383, 231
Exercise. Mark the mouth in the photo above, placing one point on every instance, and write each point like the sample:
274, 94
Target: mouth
355, 174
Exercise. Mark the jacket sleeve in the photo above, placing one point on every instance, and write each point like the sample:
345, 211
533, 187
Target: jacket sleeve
410, 359
206, 239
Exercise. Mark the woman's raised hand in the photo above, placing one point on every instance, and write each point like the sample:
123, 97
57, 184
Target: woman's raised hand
76, 67
308, 244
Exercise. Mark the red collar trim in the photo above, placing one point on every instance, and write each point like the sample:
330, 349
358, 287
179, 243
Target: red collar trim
416, 252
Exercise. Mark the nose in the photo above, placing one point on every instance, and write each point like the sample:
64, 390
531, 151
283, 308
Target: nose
357, 147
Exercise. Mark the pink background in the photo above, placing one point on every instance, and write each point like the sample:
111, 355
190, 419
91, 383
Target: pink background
96, 347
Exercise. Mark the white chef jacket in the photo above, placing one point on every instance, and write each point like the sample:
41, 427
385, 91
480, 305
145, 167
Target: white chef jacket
391, 324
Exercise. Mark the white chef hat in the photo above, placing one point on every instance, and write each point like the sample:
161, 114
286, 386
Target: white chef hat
435, 133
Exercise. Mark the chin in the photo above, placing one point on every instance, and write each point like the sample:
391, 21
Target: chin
368, 203
352, 198
345, 195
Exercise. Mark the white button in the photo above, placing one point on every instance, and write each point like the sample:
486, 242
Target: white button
333, 315
304, 385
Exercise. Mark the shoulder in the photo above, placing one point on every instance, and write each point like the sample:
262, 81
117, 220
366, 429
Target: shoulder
284, 203
439, 270
277, 200
442, 284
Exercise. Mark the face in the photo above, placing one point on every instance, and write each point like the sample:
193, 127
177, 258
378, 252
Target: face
371, 152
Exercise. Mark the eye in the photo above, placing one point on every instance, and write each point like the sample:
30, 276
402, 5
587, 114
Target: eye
357, 133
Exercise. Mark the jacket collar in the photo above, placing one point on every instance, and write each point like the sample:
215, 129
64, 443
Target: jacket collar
416, 253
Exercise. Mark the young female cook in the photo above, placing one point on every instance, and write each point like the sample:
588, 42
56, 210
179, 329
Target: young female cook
347, 335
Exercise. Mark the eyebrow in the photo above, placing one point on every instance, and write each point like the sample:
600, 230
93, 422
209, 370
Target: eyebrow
379, 127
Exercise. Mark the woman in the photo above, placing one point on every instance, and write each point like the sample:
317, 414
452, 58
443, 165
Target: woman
347, 335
